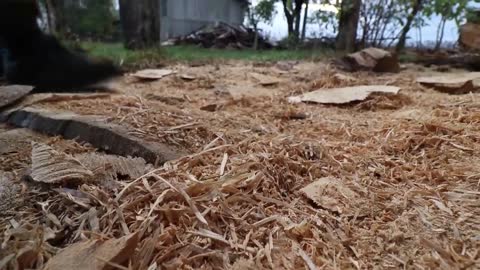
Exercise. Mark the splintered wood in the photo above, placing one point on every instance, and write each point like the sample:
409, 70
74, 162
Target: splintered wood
387, 182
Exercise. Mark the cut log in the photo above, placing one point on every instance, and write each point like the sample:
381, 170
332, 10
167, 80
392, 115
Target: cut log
470, 36
370, 59
12, 93
468, 61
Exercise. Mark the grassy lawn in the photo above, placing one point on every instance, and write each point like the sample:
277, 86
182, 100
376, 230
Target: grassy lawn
119, 54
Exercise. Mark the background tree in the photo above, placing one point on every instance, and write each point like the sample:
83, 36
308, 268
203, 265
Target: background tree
53, 15
447, 10
348, 25
140, 23
305, 19
82, 18
293, 13
416, 8
324, 19
263, 11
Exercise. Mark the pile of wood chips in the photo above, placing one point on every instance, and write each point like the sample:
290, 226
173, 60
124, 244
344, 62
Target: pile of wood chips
386, 183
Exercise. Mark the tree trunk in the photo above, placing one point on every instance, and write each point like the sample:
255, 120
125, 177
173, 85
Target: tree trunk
420, 38
290, 18
348, 24
297, 12
294, 16
54, 10
417, 6
255, 41
305, 18
440, 33
140, 22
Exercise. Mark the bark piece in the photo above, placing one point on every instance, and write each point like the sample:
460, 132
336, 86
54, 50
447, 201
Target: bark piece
95, 254
451, 83
111, 138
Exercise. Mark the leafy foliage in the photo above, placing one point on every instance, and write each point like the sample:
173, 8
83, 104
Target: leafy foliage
90, 18
263, 11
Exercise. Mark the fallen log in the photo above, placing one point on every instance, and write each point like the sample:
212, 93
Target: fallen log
467, 61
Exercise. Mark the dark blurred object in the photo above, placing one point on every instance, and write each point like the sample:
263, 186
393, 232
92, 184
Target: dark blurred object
39, 59
3, 59
455, 59
222, 35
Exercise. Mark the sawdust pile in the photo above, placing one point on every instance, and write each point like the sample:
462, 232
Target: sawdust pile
268, 184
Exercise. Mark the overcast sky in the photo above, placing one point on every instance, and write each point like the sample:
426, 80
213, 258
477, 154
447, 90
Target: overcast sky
278, 29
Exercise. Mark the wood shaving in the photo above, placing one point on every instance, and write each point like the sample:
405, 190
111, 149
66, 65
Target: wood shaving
50, 166
400, 190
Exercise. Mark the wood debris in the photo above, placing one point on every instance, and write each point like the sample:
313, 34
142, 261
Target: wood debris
223, 35
391, 187
333, 195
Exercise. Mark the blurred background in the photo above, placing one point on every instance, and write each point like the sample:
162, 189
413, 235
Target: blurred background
147, 32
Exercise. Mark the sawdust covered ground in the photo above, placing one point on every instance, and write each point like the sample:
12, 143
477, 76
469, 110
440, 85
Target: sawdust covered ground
397, 181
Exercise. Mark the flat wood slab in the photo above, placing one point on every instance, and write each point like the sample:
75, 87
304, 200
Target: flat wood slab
14, 140
12, 93
111, 138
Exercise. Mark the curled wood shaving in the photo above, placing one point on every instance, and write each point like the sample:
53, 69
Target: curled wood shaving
50, 166
111, 167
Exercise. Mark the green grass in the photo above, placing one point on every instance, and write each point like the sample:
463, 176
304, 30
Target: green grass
120, 55
152, 57
191, 53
